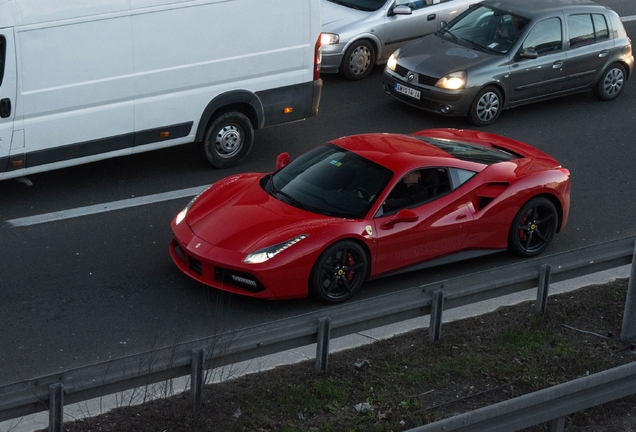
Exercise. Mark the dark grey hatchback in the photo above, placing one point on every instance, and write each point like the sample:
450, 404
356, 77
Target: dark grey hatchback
501, 54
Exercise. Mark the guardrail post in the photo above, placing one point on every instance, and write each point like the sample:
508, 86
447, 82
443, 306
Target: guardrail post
541, 305
558, 425
628, 332
56, 407
322, 347
437, 306
196, 376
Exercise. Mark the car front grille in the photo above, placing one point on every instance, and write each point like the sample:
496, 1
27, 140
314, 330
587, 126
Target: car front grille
195, 265
421, 79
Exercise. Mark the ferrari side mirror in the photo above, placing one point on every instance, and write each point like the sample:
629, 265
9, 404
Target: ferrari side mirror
282, 160
404, 215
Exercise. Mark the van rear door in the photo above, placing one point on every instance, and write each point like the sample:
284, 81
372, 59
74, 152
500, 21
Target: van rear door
7, 100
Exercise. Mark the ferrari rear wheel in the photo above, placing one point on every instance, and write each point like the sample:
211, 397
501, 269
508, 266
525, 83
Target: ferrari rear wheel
533, 228
338, 272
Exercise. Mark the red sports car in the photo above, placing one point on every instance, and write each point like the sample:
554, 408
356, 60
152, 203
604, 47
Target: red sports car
364, 206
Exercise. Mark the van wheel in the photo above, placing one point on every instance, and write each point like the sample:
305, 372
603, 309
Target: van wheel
358, 60
611, 84
228, 140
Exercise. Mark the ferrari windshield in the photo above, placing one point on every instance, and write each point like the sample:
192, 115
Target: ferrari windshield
330, 180
486, 28
363, 5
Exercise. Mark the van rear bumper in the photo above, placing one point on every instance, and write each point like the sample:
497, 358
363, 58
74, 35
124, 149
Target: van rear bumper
303, 99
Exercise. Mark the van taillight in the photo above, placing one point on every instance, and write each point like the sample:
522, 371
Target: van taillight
317, 58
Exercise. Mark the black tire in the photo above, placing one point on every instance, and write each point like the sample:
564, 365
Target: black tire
611, 84
486, 107
338, 272
228, 140
533, 228
358, 60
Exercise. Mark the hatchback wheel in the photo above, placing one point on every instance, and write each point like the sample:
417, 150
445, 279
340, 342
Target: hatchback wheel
533, 228
486, 107
358, 60
338, 272
612, 83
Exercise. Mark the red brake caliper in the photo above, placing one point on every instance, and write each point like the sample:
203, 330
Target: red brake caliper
350, 262
522, 234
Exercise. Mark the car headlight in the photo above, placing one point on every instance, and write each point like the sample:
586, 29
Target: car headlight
182, 214
329, 39
263, 255
392, 62
452, 81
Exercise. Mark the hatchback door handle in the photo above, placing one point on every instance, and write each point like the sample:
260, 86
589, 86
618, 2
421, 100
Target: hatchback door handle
603, 53
557, 65
431, 17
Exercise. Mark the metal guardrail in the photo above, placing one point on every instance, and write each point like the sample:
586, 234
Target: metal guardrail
34, 395
542, 406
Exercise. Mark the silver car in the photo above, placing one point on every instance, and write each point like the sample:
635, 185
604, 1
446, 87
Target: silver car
358, 34
502, 54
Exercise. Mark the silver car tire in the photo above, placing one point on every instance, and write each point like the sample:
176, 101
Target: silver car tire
228, 140
611, 83
486, 107
358, 60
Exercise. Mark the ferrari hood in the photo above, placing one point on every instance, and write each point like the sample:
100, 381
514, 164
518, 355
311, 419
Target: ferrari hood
239, 215
437, 56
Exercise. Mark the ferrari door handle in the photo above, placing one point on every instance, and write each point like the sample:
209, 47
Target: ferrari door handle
460, 217
431, 17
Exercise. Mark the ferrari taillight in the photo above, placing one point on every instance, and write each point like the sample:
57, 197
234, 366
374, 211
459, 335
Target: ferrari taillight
565, 171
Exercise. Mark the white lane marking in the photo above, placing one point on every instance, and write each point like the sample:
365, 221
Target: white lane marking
629, 18
106, 207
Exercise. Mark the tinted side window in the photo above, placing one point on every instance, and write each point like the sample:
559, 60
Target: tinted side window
414, 4
581, 30
545, 37
460, 176
416, 188
600, 27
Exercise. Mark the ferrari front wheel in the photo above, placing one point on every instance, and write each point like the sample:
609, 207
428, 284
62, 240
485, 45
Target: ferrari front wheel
338, 272
533, 228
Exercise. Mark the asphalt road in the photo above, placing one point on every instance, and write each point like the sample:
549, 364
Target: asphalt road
83, 290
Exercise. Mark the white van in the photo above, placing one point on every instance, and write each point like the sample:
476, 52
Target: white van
85, 80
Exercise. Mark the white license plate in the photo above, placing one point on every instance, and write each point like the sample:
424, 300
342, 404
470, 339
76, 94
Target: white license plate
399, 88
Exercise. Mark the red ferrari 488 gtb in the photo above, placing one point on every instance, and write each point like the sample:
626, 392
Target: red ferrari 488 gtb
365, 206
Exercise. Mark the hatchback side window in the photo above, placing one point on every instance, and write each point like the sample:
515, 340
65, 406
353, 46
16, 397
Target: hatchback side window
600, 27
581, 30
415, 4
545, 37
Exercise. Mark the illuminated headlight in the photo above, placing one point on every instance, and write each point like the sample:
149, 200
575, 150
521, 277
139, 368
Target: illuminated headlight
264, 254
453, 81
392, 62
329, 39
182, 214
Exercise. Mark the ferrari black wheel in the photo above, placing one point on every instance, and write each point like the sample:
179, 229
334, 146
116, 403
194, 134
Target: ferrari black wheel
338, 272
533, 228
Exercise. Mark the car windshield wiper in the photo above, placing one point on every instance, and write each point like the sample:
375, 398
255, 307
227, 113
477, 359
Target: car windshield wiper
447, 31
292, 201
476, 45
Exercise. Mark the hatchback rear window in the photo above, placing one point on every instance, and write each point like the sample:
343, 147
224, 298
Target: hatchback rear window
471, 152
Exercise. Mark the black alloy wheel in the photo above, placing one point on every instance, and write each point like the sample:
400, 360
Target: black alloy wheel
338, 272
533, 228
